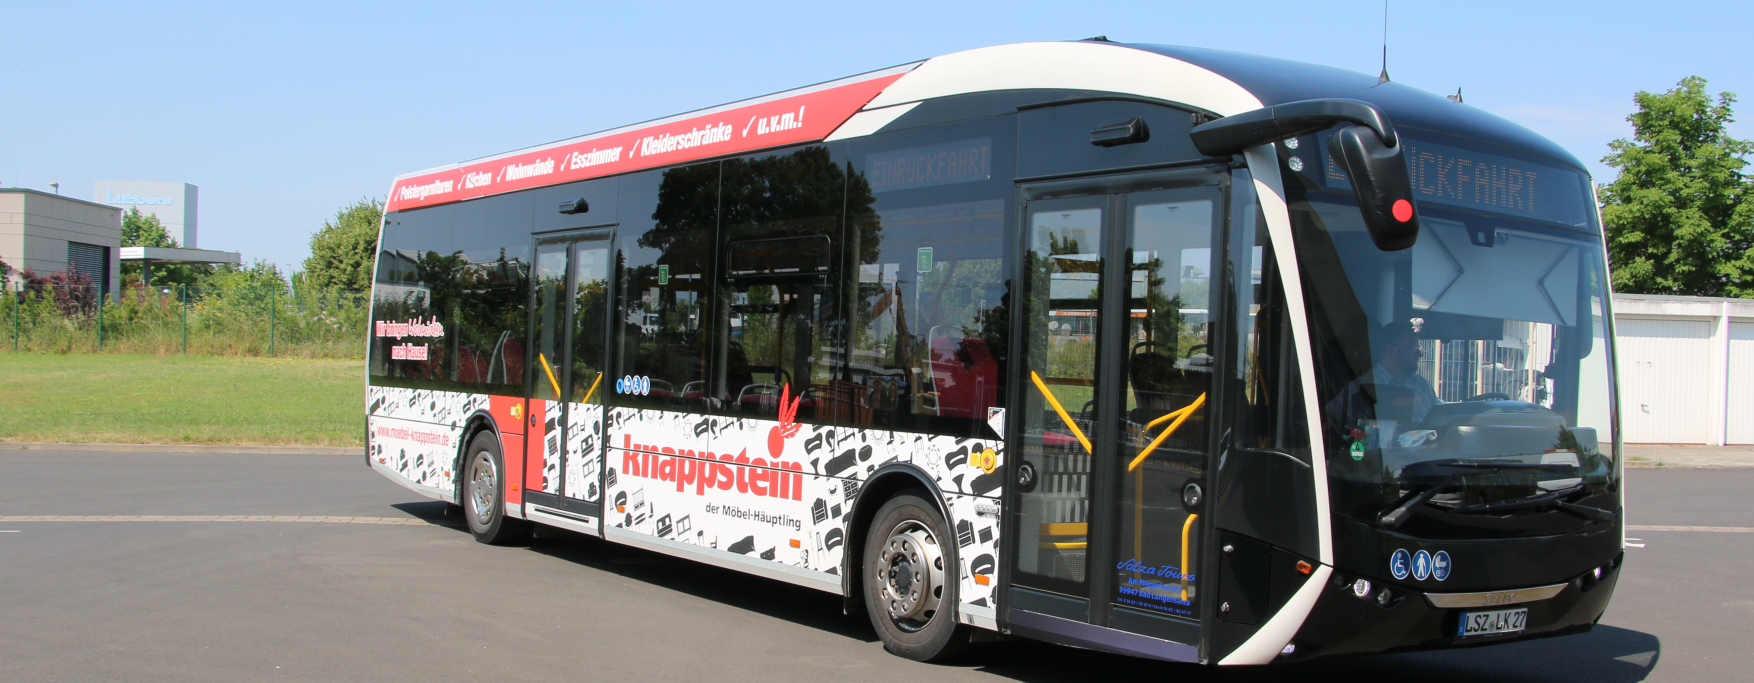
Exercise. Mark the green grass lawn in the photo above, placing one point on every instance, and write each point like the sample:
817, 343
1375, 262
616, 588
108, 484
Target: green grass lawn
102, 398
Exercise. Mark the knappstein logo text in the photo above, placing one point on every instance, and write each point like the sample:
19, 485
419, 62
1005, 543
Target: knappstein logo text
702, 470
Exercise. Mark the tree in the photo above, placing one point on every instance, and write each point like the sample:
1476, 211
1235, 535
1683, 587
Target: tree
258, 275
145, 230
1676, 217
342, 251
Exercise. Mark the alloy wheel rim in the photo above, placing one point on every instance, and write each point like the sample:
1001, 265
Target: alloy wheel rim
483, 486
910, 572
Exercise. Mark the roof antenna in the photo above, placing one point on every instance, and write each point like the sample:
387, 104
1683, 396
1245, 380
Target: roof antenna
1384, 77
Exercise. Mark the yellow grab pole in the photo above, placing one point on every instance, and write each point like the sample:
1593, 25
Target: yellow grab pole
593, 388
1180, 417
551, 381
1185, 527
1062, 411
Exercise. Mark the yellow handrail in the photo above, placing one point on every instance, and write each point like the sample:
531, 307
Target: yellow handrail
551, 381
593, 388
1185, 526
1180, 417
1064, 416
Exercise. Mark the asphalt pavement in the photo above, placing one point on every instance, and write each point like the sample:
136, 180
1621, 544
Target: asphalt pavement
267, 567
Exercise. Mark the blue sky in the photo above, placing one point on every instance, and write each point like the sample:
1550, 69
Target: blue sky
283, 112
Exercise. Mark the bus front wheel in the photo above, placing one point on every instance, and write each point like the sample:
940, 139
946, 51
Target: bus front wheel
911, 580
484, 495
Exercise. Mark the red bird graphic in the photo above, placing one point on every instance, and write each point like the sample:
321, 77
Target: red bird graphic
776, 437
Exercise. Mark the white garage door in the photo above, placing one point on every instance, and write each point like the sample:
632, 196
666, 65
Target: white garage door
1741, 383
1665, 366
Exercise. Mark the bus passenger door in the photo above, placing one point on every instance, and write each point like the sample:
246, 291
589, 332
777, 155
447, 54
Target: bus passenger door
1114, 436
569, 315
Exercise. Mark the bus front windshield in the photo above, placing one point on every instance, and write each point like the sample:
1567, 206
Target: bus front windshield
1464, 382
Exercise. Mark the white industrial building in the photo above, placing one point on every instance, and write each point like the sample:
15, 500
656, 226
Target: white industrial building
1686, 369
176, 204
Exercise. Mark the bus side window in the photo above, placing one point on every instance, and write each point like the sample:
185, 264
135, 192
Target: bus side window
778, 321
927, 342
491, 293
664, 263
413, 284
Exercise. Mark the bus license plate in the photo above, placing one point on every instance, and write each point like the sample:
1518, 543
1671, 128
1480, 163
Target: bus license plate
1500, 621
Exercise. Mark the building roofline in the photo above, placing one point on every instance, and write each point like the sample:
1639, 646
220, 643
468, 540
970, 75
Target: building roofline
1681, 298
26, 190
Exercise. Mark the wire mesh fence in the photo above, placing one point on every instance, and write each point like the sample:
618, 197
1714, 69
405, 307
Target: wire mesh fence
212, 321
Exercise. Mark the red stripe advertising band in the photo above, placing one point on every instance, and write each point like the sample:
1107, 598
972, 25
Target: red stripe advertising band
781, 121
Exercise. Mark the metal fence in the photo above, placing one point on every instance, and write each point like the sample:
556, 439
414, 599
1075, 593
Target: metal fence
213, 321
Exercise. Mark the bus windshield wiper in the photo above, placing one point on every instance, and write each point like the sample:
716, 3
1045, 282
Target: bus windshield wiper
1554, 499
1396, 516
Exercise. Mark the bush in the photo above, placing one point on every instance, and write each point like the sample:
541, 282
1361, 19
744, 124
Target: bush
61, 315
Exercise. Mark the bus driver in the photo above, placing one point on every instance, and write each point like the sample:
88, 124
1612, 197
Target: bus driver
1393, 389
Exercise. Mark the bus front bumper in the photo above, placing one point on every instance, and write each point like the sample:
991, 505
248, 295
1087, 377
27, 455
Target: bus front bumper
1342, 623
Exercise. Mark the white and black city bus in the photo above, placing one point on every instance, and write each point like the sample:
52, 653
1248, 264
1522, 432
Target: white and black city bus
1172, 352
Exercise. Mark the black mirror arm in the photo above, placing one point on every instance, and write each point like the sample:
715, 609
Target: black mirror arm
1233, 134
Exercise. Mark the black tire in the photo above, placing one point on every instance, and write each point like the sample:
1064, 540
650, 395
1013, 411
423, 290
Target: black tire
484, 494
913, 608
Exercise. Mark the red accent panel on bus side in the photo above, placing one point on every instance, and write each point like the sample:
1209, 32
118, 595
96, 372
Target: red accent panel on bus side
508, 413
513, 446
534, 459
784, 121
510, 417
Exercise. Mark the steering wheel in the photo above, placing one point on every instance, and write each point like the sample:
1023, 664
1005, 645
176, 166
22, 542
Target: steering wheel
1490, 396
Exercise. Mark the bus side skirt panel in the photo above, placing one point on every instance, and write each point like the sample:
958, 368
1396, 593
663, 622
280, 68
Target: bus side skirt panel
717, 558
415, 435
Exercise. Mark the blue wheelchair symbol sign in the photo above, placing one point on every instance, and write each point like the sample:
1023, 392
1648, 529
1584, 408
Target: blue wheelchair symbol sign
1422, 565
1440, 565
1400, 564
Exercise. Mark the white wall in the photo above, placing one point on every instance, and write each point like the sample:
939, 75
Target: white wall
1686, 369
1666, 368
1741, 427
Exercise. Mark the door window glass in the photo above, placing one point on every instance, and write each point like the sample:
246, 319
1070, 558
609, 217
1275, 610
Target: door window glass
590, 313
1168, 374
1063, 267
549, 278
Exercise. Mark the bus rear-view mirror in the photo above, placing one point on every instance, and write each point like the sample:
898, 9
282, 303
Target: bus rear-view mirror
1368, 151
1381, 184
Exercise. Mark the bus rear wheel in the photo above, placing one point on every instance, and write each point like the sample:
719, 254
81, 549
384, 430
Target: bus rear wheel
910, 580
484, 495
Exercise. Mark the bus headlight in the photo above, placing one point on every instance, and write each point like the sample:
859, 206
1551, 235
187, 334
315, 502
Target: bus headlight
1361, 588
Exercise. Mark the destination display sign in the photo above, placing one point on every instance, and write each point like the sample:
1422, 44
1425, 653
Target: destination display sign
1471, 179
811, 114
